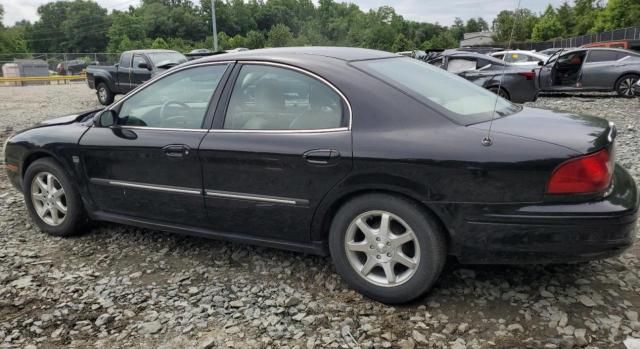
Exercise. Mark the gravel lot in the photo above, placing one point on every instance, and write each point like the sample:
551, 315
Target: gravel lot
122, 287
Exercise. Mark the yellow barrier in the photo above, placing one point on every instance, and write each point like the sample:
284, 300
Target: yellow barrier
64, 78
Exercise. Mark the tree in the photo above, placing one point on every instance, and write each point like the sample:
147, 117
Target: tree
458, 29
401, 43
548, 26
159, 43
279, 36
618, 14
566, 18
254, 40
520, 23
441, 41
585, 13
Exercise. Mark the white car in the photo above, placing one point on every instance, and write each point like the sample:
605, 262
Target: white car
519, 57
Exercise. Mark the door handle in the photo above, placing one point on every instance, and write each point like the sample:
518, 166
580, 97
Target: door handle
321, 156
176, 151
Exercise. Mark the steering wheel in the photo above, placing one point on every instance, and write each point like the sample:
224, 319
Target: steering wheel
168, 119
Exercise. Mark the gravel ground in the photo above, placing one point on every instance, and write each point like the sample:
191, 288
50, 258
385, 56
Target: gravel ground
122, 287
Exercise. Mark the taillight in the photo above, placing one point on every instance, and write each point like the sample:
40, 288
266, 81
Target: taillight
587, 174
529, 75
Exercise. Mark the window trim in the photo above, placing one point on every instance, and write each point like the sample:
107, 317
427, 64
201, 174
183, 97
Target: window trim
221, 85
315, 76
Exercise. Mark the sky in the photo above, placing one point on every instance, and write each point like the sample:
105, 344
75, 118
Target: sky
441, 11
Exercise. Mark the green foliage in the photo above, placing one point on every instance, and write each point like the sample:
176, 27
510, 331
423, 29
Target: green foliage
84, 26
159, 43
254, 40
548, 26
279, 36
519, 23
618, 14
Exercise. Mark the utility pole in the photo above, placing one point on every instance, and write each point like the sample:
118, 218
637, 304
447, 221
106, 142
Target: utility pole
213, 23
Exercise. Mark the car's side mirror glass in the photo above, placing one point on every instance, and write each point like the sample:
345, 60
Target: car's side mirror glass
107, 118
540, 63
143, 65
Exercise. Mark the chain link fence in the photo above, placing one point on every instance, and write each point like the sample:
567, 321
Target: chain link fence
622, 34
63, 63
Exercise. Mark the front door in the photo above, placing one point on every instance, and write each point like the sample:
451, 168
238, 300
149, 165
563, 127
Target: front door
139, 75
147, 165
282, 144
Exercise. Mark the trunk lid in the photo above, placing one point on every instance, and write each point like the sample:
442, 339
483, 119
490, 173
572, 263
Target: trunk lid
583, 134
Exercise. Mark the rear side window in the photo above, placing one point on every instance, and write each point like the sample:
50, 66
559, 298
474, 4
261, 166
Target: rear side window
604, 56
457, 98
125, 60
274, 98
459, 65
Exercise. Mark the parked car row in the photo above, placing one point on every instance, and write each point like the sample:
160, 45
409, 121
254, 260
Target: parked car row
520, 75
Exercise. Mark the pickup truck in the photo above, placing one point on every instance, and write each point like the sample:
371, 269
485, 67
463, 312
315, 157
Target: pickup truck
134, 68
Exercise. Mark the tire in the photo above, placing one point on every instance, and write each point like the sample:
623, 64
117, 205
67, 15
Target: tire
624, 85
105, 96
500, 92
71, 222
427, 249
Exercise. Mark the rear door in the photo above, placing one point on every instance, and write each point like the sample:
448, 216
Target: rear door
147, 166
600, 69
282, 142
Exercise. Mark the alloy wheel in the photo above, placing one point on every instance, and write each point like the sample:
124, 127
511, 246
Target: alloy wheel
49, 198
382, 248
626, 86
102, 94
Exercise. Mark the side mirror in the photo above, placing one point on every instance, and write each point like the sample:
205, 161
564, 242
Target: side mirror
143, 65
540, 63
107, 118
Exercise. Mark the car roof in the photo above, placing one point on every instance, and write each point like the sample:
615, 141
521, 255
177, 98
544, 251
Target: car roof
453, 53
600, 49
347, 54
150, 51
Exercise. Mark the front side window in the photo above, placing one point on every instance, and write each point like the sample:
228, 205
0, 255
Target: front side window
274, 98
461, 100
179, 100
137, 59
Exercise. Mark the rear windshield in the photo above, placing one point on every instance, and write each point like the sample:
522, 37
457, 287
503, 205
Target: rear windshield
462, 101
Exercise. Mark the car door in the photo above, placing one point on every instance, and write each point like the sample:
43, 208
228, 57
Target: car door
545, 74
124, 69
139, 74
147, 166
281, 143
599, 70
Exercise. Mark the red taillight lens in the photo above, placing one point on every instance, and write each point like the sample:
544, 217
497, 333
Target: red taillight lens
586, 174
529, 75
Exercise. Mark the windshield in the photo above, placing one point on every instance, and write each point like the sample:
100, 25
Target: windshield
160, 59
457, 98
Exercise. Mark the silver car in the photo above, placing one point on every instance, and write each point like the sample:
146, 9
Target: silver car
591, 69
520, 57
513, 82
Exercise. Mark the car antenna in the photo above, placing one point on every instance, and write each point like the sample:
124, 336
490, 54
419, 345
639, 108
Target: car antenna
487, 141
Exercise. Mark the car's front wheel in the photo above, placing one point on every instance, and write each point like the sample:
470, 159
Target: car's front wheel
105, 96
52, 200
387, 247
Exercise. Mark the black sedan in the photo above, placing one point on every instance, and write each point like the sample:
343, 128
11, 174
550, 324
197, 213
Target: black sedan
385, 162
516, 83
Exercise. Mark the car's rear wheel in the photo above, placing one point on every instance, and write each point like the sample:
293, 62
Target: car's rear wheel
624, 85
52, 200
500, 92
387, 247
105, 96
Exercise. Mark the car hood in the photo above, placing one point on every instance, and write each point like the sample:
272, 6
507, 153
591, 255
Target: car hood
66, 119
583, 134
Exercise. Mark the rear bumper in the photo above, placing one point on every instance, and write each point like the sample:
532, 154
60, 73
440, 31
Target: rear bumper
549, 233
